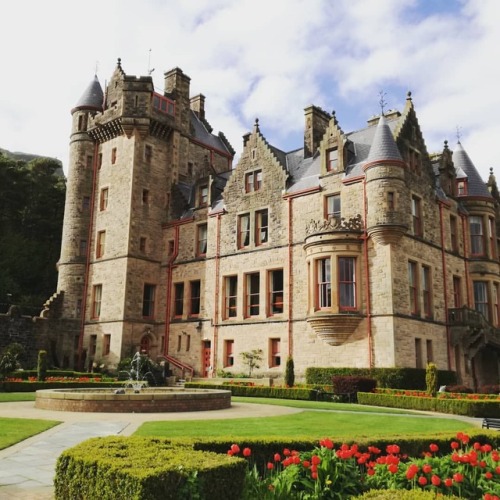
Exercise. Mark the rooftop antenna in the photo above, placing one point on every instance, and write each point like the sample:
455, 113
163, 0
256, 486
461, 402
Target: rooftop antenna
459, 133
96, 67
382, 102
149, 64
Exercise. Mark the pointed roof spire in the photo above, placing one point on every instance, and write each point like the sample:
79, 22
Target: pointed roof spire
384, 146
92, 98
463, 165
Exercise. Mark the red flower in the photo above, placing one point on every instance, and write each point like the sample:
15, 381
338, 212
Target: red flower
315, 460
433, 447
370, 472
230, 453
327, 443
235, 449
277, 457
247, 452
448, 482
296, 460
454, 445
488, 475
286, 452
422, 480
270, 466
306, 464
435, 480
393, 468
457, 477
392, 448
426, 469
314, 475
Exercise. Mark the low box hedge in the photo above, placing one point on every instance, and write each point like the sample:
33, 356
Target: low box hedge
116, 468
468, 407
35, 386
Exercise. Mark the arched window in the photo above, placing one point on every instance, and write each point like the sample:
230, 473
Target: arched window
145, 344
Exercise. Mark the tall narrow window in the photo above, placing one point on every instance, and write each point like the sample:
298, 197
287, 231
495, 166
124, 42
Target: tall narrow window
461, 188
178, 299
96, 301
323, 284
106, 344
243, 230
113, 156
228, 353
429, 349
426, 291
194, 297
332, 206
391, 205
416, 212
275, 354
101, 244
201, 240
103, 200
203, 196
476, 236
275, 283
495, 305
86, 203
145, 344
148, 301
148, 153
99, 161
413, 287
457, 292
93, 345
347, 283
145, 197
491, 236
261, 227
453, 233
253, 181
82, 251
332, 160
90, 159
230, 297
252, 294
418, 353
142, 244
481, 298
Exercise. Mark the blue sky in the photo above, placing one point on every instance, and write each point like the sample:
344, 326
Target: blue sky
260, 58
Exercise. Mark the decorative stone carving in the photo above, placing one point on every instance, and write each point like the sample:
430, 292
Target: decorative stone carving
334, 224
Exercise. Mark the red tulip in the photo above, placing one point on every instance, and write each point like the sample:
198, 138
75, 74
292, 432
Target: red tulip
426, 469
270, 466
433, 447
422, 480
247, 452
457, 477
235, 448
435, 480
277, 457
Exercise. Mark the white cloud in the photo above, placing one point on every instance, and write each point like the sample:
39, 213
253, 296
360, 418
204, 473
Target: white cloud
259, 58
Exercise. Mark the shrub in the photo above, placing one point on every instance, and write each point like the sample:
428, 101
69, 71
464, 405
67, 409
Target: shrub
289, 372
353, 385
42, 365
459, 388
9, 359
431, 380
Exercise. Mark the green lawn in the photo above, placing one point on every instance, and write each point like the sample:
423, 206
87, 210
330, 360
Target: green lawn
306, 424
6, 397
13, 430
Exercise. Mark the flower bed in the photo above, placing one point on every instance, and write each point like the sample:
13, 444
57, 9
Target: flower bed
466, 469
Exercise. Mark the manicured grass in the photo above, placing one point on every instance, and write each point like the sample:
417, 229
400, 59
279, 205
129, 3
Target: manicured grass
13, 430
320, 405
6, 397
306, 424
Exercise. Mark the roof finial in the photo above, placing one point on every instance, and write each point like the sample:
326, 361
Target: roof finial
459, 133
149, 64
334, 117
445, 144
119, 63
256, 125
382, 102
408, 95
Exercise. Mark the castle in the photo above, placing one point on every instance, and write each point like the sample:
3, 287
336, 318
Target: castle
358, 249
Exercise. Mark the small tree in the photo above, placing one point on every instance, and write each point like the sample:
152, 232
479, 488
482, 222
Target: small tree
431, 379
289, 372
42, 365
9, 359
252, 359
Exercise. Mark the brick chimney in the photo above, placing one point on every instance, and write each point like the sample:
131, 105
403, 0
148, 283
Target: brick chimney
197, 104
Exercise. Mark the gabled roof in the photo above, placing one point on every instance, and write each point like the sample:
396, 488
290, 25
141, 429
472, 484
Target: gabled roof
202, 134
92, 98
463, 165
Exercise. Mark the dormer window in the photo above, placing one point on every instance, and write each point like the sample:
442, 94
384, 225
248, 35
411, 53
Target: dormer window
253, 181
332, 160
461, 188
203, 196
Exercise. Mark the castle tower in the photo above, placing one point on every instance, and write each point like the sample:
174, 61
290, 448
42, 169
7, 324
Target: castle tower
78, 205
385, 187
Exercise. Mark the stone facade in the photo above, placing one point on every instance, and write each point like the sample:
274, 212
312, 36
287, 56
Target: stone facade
353, 250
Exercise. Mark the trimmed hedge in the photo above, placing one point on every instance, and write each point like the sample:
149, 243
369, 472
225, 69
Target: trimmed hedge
116, 468
35, 386
395, 378
26, 374
470, 408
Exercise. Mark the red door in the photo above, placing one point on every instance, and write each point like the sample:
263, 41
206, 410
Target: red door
207, 359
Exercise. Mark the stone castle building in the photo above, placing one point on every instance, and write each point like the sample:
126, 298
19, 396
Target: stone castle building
357, 249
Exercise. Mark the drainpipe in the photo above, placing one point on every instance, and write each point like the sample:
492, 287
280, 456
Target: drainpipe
445, 286
290, 277
87, 258
367, 278
217, 292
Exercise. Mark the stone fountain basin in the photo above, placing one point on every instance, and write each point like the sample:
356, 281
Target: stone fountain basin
148, 400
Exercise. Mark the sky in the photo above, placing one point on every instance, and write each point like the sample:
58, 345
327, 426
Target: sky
266, 59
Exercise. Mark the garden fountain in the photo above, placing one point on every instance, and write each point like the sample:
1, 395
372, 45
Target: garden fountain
136, 397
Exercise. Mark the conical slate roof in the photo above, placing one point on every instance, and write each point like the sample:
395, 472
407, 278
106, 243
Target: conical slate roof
384, 146
92, 98
475, 185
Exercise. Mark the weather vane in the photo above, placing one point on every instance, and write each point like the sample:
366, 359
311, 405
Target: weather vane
96, 67
149, 64
382, 102
459, 133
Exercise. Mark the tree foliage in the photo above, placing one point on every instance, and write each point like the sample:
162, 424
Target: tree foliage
252, 359
290, 372
31, 215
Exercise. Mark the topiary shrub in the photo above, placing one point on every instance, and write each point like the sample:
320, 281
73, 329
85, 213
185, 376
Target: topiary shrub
42, 366
431, 379
289, 372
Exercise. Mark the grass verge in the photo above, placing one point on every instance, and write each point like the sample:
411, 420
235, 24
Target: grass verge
14, 430
8, 397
